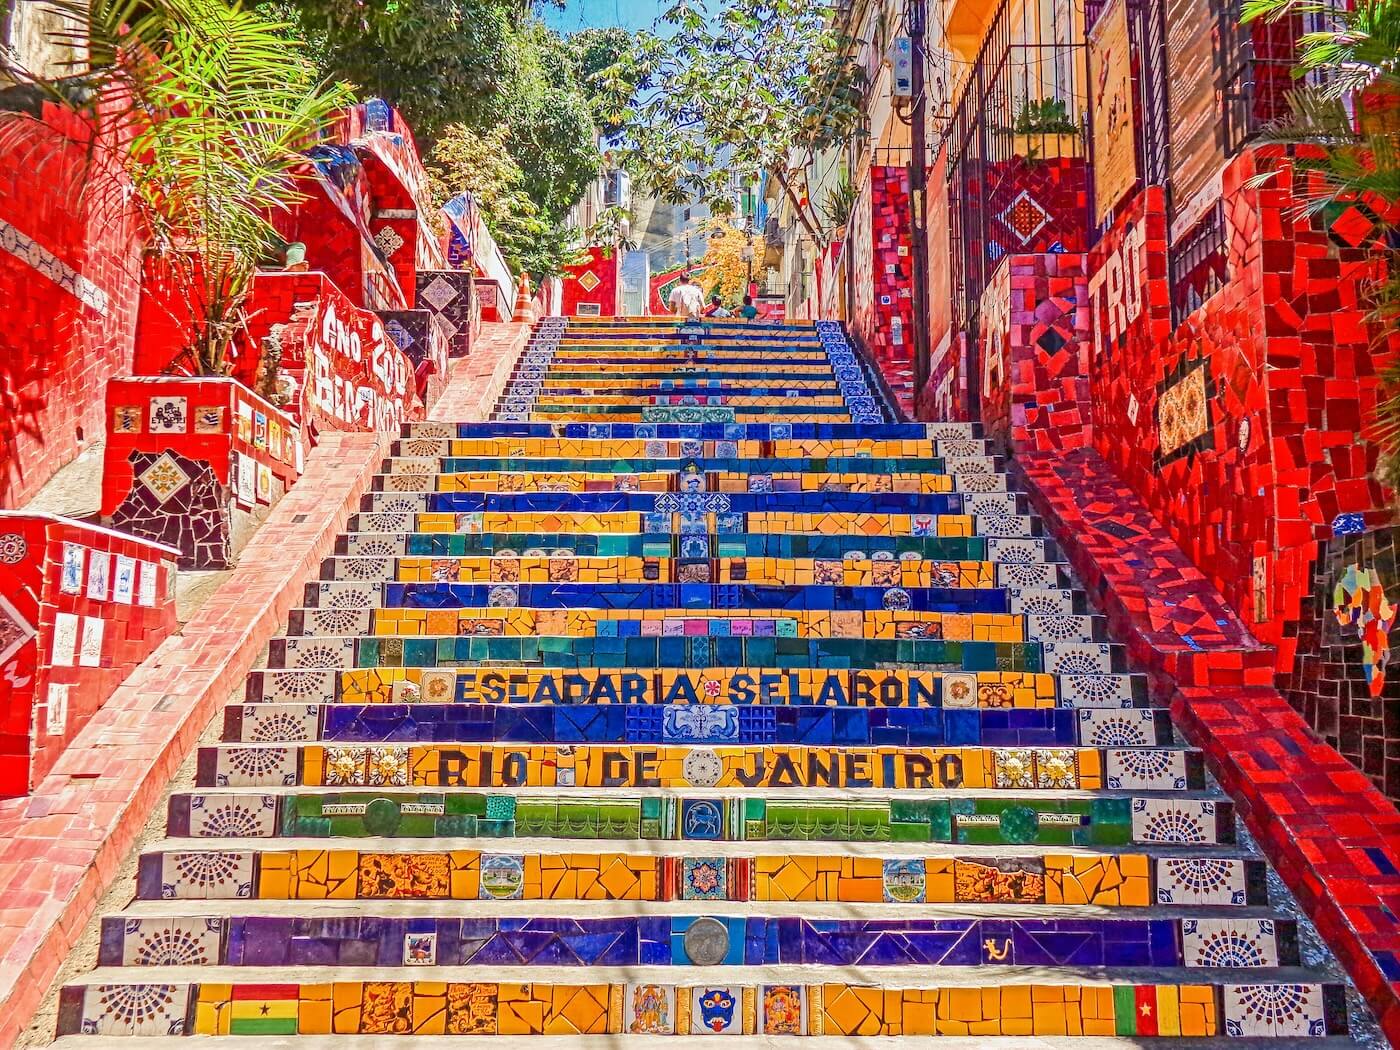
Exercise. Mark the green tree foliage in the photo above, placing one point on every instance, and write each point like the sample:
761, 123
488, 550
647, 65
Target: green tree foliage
764, 84
1343, 134
438, 61
203, 108
466, 73
483, 165
606, 63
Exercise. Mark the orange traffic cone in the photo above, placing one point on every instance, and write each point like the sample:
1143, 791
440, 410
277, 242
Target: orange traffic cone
524, 308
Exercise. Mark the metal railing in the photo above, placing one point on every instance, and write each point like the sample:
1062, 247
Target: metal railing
1023, 97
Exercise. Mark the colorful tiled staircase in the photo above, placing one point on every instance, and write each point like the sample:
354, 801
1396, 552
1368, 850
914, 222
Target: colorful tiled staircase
692, 695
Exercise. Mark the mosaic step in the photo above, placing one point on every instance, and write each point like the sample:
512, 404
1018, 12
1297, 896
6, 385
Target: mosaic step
601, 449
848, 572
316, 872
883, 623
797, 697
776, 431
631, 723
1082, 820
677, 597
1029, 551
252, 939
478, 1006
397, 513
981, 505
473, 765
455, 464
710, 685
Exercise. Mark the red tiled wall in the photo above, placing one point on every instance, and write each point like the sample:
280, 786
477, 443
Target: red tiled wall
56, 349
1240, 428
223, 420
89, 632
330, 361
602, 268
1035, 388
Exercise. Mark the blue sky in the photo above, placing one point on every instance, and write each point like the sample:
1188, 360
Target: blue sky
580, 14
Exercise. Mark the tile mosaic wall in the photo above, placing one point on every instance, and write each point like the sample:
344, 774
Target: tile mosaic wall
80, 607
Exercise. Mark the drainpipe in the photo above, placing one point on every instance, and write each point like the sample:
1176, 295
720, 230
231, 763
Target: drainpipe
918, 196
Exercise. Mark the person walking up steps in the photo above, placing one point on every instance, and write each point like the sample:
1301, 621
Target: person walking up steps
686, 299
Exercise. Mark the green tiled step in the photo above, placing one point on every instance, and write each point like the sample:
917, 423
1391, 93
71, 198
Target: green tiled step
990, 821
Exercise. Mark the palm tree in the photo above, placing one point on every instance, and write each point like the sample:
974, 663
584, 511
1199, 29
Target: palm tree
200, 111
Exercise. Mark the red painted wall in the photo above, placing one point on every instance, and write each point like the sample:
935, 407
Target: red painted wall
70, 266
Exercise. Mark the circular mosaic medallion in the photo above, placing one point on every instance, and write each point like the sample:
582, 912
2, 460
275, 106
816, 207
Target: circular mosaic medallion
707, 942
12, 548
702, 768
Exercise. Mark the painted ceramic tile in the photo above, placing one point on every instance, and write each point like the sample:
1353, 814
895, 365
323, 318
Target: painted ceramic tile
124, 580
1173, 820
1274, 1010
255, 766
649, 1009
65, 639
1201, 880
219, 816
245, 487
1229, 942
99, 575
259, 430
245, 422
206, 875
56, 710
1156, 769
146, 594
172, 941
209, 419
264, 483
74, 558
783, 1009
716, 1010
90, 645
126, 419
134, 1009
420, 949
168, 415
164, 478
278, 723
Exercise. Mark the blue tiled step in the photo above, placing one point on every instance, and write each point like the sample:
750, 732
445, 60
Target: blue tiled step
557, 722
690, 465
571, 651
699, 431
1072, 819
600, 570
698, 503
1036, 601
1032, 551
399, 513
715, 685
622, 385
662, 940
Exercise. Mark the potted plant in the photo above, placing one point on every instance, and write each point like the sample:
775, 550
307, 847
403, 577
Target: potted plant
202, 109
1043, 128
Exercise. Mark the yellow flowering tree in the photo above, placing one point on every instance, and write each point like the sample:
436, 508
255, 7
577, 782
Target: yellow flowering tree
725, 268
